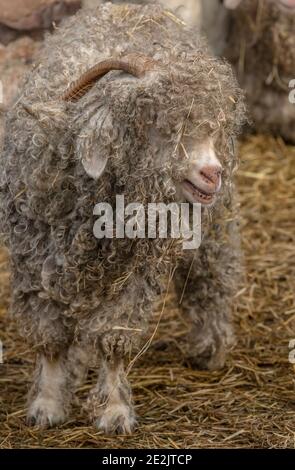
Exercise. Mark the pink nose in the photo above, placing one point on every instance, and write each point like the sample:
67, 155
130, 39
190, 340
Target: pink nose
211, 175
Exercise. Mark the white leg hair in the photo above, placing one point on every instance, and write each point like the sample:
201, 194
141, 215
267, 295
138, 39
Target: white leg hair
110, 402
54, 386
47, 408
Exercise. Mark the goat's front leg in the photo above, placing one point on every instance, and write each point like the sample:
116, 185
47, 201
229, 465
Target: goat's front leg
206, 282
110, 403
55, 381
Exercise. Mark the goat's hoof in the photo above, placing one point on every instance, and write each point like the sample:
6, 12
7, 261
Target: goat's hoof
116, 419
45, 412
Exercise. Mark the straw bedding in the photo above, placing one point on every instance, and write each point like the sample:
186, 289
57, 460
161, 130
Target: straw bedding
251, 402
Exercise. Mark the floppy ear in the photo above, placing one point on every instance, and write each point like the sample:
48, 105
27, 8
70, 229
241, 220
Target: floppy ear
95, 163
232, 4
91, 143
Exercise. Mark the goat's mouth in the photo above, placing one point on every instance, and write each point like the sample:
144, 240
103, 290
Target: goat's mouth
194, 194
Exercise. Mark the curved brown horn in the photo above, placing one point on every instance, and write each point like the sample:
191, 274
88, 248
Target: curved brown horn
135, 64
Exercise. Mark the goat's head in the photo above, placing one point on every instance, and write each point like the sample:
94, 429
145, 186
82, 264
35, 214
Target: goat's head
161, 118
159, 128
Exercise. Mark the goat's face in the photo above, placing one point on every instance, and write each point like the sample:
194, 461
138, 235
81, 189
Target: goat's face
203, 179
285, 5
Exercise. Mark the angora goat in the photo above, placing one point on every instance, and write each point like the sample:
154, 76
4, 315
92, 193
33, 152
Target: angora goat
257, 37
123, 101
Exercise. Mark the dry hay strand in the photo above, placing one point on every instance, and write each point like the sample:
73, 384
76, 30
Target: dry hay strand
250, 403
